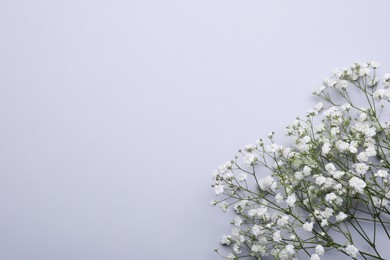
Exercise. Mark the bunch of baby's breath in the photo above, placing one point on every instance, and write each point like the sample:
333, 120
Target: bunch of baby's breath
323, 190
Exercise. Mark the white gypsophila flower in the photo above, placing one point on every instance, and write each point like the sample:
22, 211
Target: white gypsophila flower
291, 200
362, 157
218, 189
386, 80
242, 176
224, 206
237, 248
358, 184
290, 249
324, 223
319, 90
319, 128
329, 167
237, 221
259, 249
277, 237
334, 131
250, 159
381, 94
249, 147
320, 250
231, 256
371, 151
272, 148
361, 168
342, 146
226, 240
353, 147
346, 107
320, 180
326, 148
341, 216
257, 230
279, 198
306, 170
319, 106
364, 71
282, 220
240, 206
352, 250
308, 226
260, 212
381, 173
327, 213
342, 85
315, 257
268, 183
330, 197
374, 64
338, 174
298, 175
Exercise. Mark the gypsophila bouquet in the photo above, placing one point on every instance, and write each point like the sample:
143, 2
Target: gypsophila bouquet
325, 189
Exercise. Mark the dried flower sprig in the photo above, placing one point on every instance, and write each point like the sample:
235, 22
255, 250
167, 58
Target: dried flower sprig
322, 189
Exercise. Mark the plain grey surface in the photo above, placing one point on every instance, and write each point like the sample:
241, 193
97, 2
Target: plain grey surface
114, 113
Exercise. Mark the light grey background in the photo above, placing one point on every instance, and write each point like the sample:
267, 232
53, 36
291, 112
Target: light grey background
113, 113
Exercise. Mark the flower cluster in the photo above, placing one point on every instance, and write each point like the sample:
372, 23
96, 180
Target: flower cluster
333, 177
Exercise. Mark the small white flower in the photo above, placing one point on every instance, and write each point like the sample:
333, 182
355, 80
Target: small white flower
381, 173
291, 200
357, 183
324, 223
282, 221
290, 249
226, 240
319, 106
352, 250
320, 180
306, 170
338, 174
315, 257
361, 168
342, 146
330, 197
279, 198
326, 148
386, 80
319, 90
362, 157
308, 226
268, 183
341, 216
218, 189
327, 213
346, 107
250, 159
257, 230
342, 84
225, 207
237, 221
298, 175
375, 65
329, 167
320, 249
272, 148
276, 236
242, 176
